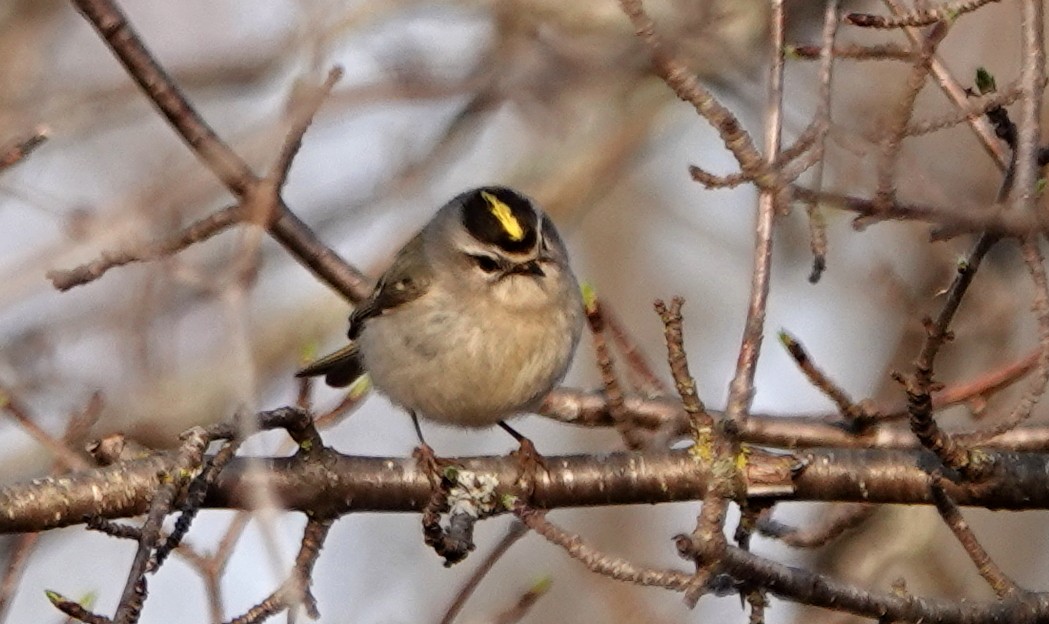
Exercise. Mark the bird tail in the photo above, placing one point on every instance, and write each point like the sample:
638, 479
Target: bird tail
340, 368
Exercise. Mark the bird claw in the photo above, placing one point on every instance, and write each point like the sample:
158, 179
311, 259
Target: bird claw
428, 462
529, 463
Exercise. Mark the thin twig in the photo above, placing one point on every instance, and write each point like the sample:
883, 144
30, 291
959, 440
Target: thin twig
882, 52
647, 380
195, 493
682, 80
800, 585
1032, 257
970, 463
950, 222
514, 534
1024, 195
598, 562
606, 365
712, 181
859, 415
955, 92
985, 565
919, 17
295, 590
894, 133
75, 610
114, 28
524, 604
828, 529
19, 413
741, 389
817, 224
700, 421
19, 149
196, 232
302, 117
17, 559
710, 446
1006, 96
190, 456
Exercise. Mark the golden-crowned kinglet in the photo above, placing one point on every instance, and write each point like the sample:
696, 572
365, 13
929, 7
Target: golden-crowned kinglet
475, 321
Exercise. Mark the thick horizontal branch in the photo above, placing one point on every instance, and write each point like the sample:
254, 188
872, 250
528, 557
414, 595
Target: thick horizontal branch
334, 484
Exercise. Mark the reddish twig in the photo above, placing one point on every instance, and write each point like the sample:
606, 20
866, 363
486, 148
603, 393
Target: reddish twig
606, 365
647, 381
16, 151
1032, 257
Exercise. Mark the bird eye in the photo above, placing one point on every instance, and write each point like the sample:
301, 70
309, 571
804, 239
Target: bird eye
487, 264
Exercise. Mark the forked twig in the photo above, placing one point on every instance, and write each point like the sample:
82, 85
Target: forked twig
115, 29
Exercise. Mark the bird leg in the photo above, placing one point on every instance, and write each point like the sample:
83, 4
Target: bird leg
528, 458
427, 460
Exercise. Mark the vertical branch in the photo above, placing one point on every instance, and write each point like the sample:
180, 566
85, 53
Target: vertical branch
189, 459
817, 225
700, 421
1032, 82
971, 463
741, 390
606, 365
893, 137
711, 447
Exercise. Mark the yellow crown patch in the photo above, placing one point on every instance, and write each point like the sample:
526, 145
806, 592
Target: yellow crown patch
505, 216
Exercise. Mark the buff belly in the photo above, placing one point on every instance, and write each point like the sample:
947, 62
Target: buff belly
485, 375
